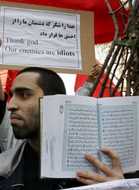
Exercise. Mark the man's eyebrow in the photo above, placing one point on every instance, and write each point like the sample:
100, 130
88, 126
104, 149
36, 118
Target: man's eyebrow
21, 89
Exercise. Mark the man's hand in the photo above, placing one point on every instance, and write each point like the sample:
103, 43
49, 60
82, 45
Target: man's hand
95, 72
90, 177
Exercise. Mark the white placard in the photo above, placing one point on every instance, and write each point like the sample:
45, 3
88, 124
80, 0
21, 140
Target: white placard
121, 184
39, 38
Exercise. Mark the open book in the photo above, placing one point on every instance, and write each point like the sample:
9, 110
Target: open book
122, 184
74, 125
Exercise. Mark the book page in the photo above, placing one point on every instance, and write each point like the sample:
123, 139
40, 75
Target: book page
69, 131
118, 120
123, 184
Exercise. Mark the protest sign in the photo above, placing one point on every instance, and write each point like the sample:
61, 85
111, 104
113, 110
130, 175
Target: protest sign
55, 38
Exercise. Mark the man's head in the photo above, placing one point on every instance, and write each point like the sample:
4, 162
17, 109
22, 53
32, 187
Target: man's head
49, 81
30, 84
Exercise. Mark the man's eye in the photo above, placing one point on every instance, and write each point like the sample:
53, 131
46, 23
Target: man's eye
24, 95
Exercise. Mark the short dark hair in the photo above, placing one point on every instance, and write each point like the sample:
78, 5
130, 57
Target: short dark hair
49, 81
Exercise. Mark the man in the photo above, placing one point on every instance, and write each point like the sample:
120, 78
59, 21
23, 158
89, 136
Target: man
19, 168
84, 84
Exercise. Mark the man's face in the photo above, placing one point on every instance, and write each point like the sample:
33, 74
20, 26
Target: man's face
24, 105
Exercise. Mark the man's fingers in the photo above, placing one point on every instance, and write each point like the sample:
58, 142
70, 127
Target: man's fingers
89, 177
85, 181
114, 157
95, 162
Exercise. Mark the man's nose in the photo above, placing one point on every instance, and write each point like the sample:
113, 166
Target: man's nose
12, 104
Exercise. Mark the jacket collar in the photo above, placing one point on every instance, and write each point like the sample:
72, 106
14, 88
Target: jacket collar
11, 158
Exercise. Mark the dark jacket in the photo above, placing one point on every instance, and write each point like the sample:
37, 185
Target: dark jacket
22, 172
